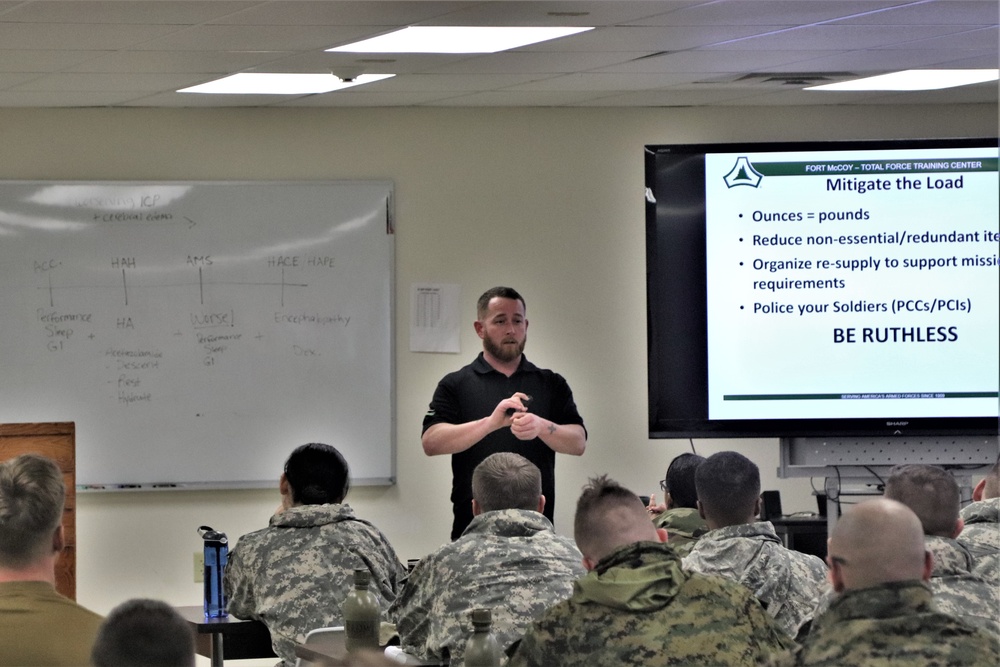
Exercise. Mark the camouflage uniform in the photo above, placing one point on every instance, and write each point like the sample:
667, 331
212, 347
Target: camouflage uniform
683, 525
294, 574
509, 561
981, 536
957, 591
891, 624
638, 607
788, 583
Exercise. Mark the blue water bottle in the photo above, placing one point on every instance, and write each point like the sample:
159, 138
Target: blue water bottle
216, 554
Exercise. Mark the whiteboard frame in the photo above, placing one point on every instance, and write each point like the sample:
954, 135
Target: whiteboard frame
268, 479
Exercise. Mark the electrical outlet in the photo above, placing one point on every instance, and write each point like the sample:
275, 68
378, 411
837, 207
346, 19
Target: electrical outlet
199, 567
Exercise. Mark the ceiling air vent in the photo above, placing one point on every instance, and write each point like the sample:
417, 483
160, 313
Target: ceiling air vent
779, 79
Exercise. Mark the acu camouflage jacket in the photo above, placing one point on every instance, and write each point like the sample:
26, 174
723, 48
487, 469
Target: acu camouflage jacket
981, 536
788, 583
509, 561
888, 625
294, 574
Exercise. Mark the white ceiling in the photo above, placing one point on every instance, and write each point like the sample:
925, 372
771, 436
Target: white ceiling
136, 53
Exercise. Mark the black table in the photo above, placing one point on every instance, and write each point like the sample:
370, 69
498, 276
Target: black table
803, 533
227, 638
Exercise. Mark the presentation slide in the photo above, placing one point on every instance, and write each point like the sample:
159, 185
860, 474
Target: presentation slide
853, 284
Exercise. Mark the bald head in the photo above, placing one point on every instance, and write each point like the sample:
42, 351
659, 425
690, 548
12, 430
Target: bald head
876, 542
609, 516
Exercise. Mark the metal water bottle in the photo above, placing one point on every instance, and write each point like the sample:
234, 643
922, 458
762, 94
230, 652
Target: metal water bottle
362, 616
482, 649
216, 554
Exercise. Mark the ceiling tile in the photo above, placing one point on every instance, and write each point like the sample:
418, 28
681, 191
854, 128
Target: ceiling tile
68, 36
670, 98
704, 62
768, 12
365, 99
82, 12
604, 81
44, 60
886, 60
839, 37
82, 82
340, 13
956, 12
217, 62
516, 99
252, 38
513, 62
55, 99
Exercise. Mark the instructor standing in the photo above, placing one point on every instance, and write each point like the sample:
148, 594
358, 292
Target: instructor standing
501, 402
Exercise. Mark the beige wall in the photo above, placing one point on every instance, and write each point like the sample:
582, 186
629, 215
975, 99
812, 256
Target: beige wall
547, 200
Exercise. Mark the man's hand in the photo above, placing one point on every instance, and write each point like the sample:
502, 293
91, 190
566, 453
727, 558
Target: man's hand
443, 438
507, 409
528, 426
565, 439
653, 508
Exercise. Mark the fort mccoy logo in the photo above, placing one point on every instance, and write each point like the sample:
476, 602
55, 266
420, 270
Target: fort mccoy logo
743, 173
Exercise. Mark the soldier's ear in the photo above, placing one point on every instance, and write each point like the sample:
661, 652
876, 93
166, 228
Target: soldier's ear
835, 573
959, 525
977, 493
928, 566
59, 539
589, 564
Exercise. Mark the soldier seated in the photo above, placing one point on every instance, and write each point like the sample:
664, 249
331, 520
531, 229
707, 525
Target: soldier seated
884, 612
509, 560
679, 512
788, 583
295, 574
636, 606
933, 495
981, 534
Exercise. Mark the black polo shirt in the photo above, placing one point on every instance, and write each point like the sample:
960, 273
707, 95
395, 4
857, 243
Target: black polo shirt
472, 393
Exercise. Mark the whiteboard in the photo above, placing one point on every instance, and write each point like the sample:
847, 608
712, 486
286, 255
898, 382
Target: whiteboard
197, 332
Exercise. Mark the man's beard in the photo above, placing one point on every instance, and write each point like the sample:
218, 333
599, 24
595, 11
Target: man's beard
505, 353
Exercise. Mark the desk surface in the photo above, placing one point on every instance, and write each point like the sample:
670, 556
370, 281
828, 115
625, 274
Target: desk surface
796, 520
241, 639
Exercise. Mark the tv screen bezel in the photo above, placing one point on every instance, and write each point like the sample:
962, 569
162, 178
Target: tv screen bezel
682, 379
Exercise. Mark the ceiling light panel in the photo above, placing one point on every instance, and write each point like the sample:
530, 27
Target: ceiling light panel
269, 83
456, 39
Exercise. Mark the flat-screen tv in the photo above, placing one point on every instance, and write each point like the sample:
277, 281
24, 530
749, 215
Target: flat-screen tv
823, 289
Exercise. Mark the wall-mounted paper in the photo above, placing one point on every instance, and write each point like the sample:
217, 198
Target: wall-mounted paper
434, 317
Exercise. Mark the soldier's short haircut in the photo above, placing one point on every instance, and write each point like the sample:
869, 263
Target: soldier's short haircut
992, 488
483, 304
32, 496
318, 474
931, 492
680, 480
143, 633
728, 485
609, 516
506, 481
